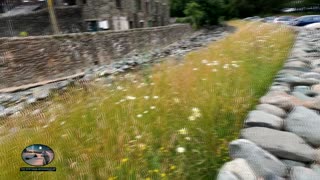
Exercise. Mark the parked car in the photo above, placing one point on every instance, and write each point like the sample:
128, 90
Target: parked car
269, 19
313, 26
283, 20
254, 18
305, 20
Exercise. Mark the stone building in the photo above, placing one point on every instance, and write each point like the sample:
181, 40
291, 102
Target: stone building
81, 15
127, 14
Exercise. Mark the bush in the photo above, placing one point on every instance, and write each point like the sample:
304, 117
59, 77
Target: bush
23, 34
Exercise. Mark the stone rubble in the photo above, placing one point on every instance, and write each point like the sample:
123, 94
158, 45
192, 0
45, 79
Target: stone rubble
294, 97
12, 103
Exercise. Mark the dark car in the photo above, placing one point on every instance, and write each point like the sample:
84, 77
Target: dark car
305, 20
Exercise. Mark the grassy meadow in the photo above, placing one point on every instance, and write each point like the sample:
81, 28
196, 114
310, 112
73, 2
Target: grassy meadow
171, 120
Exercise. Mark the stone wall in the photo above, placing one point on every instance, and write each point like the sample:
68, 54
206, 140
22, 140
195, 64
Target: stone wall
281, 137
40, 58
38, 23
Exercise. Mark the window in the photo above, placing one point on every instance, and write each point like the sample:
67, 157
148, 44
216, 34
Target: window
147, 7
138, 5
118, 4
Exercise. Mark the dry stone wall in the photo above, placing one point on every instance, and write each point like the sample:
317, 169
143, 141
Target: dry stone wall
40, 58
281, 138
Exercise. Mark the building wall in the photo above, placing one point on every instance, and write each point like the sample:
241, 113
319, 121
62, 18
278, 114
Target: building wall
38, 23
39, 58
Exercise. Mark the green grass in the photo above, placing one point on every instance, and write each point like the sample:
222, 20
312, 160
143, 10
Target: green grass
117, 132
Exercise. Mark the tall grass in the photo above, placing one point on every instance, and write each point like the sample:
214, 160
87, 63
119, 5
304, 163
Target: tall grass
170, 121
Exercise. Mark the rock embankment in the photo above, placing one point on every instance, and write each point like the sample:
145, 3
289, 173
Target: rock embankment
14, 100
281, 138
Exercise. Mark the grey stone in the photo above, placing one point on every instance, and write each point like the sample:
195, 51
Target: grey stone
291, 163
5, 97
272, 110
282, 144
227, 175
263, 119
281, 99
301, 96
315, 168
31, 100
302, 173
2, 108
262, 162
301, 89
14, 109
41, 92
305, 123
280, 88
240, 168
293, 80
311, 75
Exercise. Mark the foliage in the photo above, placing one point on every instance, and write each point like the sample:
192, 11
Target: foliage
173, 121
23, 34
196, 14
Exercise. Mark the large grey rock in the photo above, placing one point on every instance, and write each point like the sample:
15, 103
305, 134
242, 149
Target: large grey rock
305, 123
227, 175
291, 163
41, 93
302, 173
272, 110
4, 97
301, 89
262, 162
263, 119
282, 144
280, 88
311, 75
240, 168
14, 109
315, 168
281, 99
295, 81
301, 96
2, 108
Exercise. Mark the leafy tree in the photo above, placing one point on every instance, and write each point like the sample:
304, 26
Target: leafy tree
195, 12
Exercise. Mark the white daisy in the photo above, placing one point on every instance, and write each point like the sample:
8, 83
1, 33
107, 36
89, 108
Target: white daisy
180, 149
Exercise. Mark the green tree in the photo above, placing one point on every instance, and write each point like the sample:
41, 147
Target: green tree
195, 12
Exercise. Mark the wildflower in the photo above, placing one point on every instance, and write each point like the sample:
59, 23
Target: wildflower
192, 118
142, 146
183, 131
156, 170
195, 69
62, 123
214, 70
146, 97
122, 100
176, 100
119, 88
131, 97
124, 160
195, 110
197, 114
173, 167
235, 65
180, 149
152, 107
155, 97
139, 116
138, 137
163, 175
45, 126
145, 112
226, 66
187, 138
204, 61
152, 84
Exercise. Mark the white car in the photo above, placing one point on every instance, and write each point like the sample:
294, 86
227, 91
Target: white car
283, 20
313, 26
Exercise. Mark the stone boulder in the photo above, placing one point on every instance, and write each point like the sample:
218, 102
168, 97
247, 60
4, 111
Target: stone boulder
262, 162
263, 119
272, 110
281, 99
240, 168
311, 75
316, 168
291, 163
302, 173
305, 123
282, 144
227, 175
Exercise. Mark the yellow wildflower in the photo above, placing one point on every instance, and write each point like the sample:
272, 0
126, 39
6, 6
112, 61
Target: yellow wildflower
124, 160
